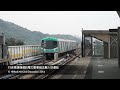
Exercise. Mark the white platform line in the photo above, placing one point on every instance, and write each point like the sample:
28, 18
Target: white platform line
98, 61
100, 71
99, 65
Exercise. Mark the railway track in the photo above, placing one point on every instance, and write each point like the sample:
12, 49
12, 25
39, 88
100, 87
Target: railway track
49, 73
40, 76
52, 72
15, 76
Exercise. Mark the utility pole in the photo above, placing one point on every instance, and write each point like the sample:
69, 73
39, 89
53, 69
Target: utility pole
43, 55
2, 45
82, 44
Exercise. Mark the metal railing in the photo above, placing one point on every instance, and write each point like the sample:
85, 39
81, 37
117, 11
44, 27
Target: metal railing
23, 51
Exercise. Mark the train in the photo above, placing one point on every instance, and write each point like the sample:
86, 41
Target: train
51, 46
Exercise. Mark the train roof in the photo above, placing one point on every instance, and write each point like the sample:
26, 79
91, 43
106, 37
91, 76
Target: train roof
57, 39
66, 40
50, 38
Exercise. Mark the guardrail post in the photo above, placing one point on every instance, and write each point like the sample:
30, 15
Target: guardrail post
55, 56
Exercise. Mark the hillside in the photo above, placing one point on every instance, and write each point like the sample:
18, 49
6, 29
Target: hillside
29, 37
69, 37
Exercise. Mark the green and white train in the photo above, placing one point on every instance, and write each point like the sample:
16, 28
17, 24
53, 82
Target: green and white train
51, 45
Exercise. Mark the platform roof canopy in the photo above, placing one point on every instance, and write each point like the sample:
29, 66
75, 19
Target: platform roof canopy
103, 35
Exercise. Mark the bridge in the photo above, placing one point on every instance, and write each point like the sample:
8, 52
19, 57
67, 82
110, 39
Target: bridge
87, 63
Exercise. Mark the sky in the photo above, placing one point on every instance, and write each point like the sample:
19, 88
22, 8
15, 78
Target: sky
63, 22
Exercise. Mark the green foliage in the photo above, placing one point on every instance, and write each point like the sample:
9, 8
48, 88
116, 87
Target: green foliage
10, 41
19, 42
13, 42
12, 30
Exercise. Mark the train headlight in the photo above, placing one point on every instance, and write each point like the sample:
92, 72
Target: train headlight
56, 49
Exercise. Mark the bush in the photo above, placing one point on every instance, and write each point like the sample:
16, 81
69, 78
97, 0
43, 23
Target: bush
13, 42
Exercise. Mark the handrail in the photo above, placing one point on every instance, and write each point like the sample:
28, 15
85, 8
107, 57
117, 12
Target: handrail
88, 52
3, 60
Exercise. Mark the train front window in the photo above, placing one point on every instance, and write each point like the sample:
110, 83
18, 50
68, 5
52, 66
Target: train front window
50, 44
42, 43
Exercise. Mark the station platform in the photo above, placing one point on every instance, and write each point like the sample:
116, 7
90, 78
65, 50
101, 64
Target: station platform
100, 68
74, 70
90, 68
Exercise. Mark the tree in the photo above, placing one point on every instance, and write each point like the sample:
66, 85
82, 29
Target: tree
13, 42
10, 41
19, 42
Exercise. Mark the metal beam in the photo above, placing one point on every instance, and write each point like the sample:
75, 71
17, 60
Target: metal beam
91, 46
109, 48
82, 43
118, 12
119, 46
